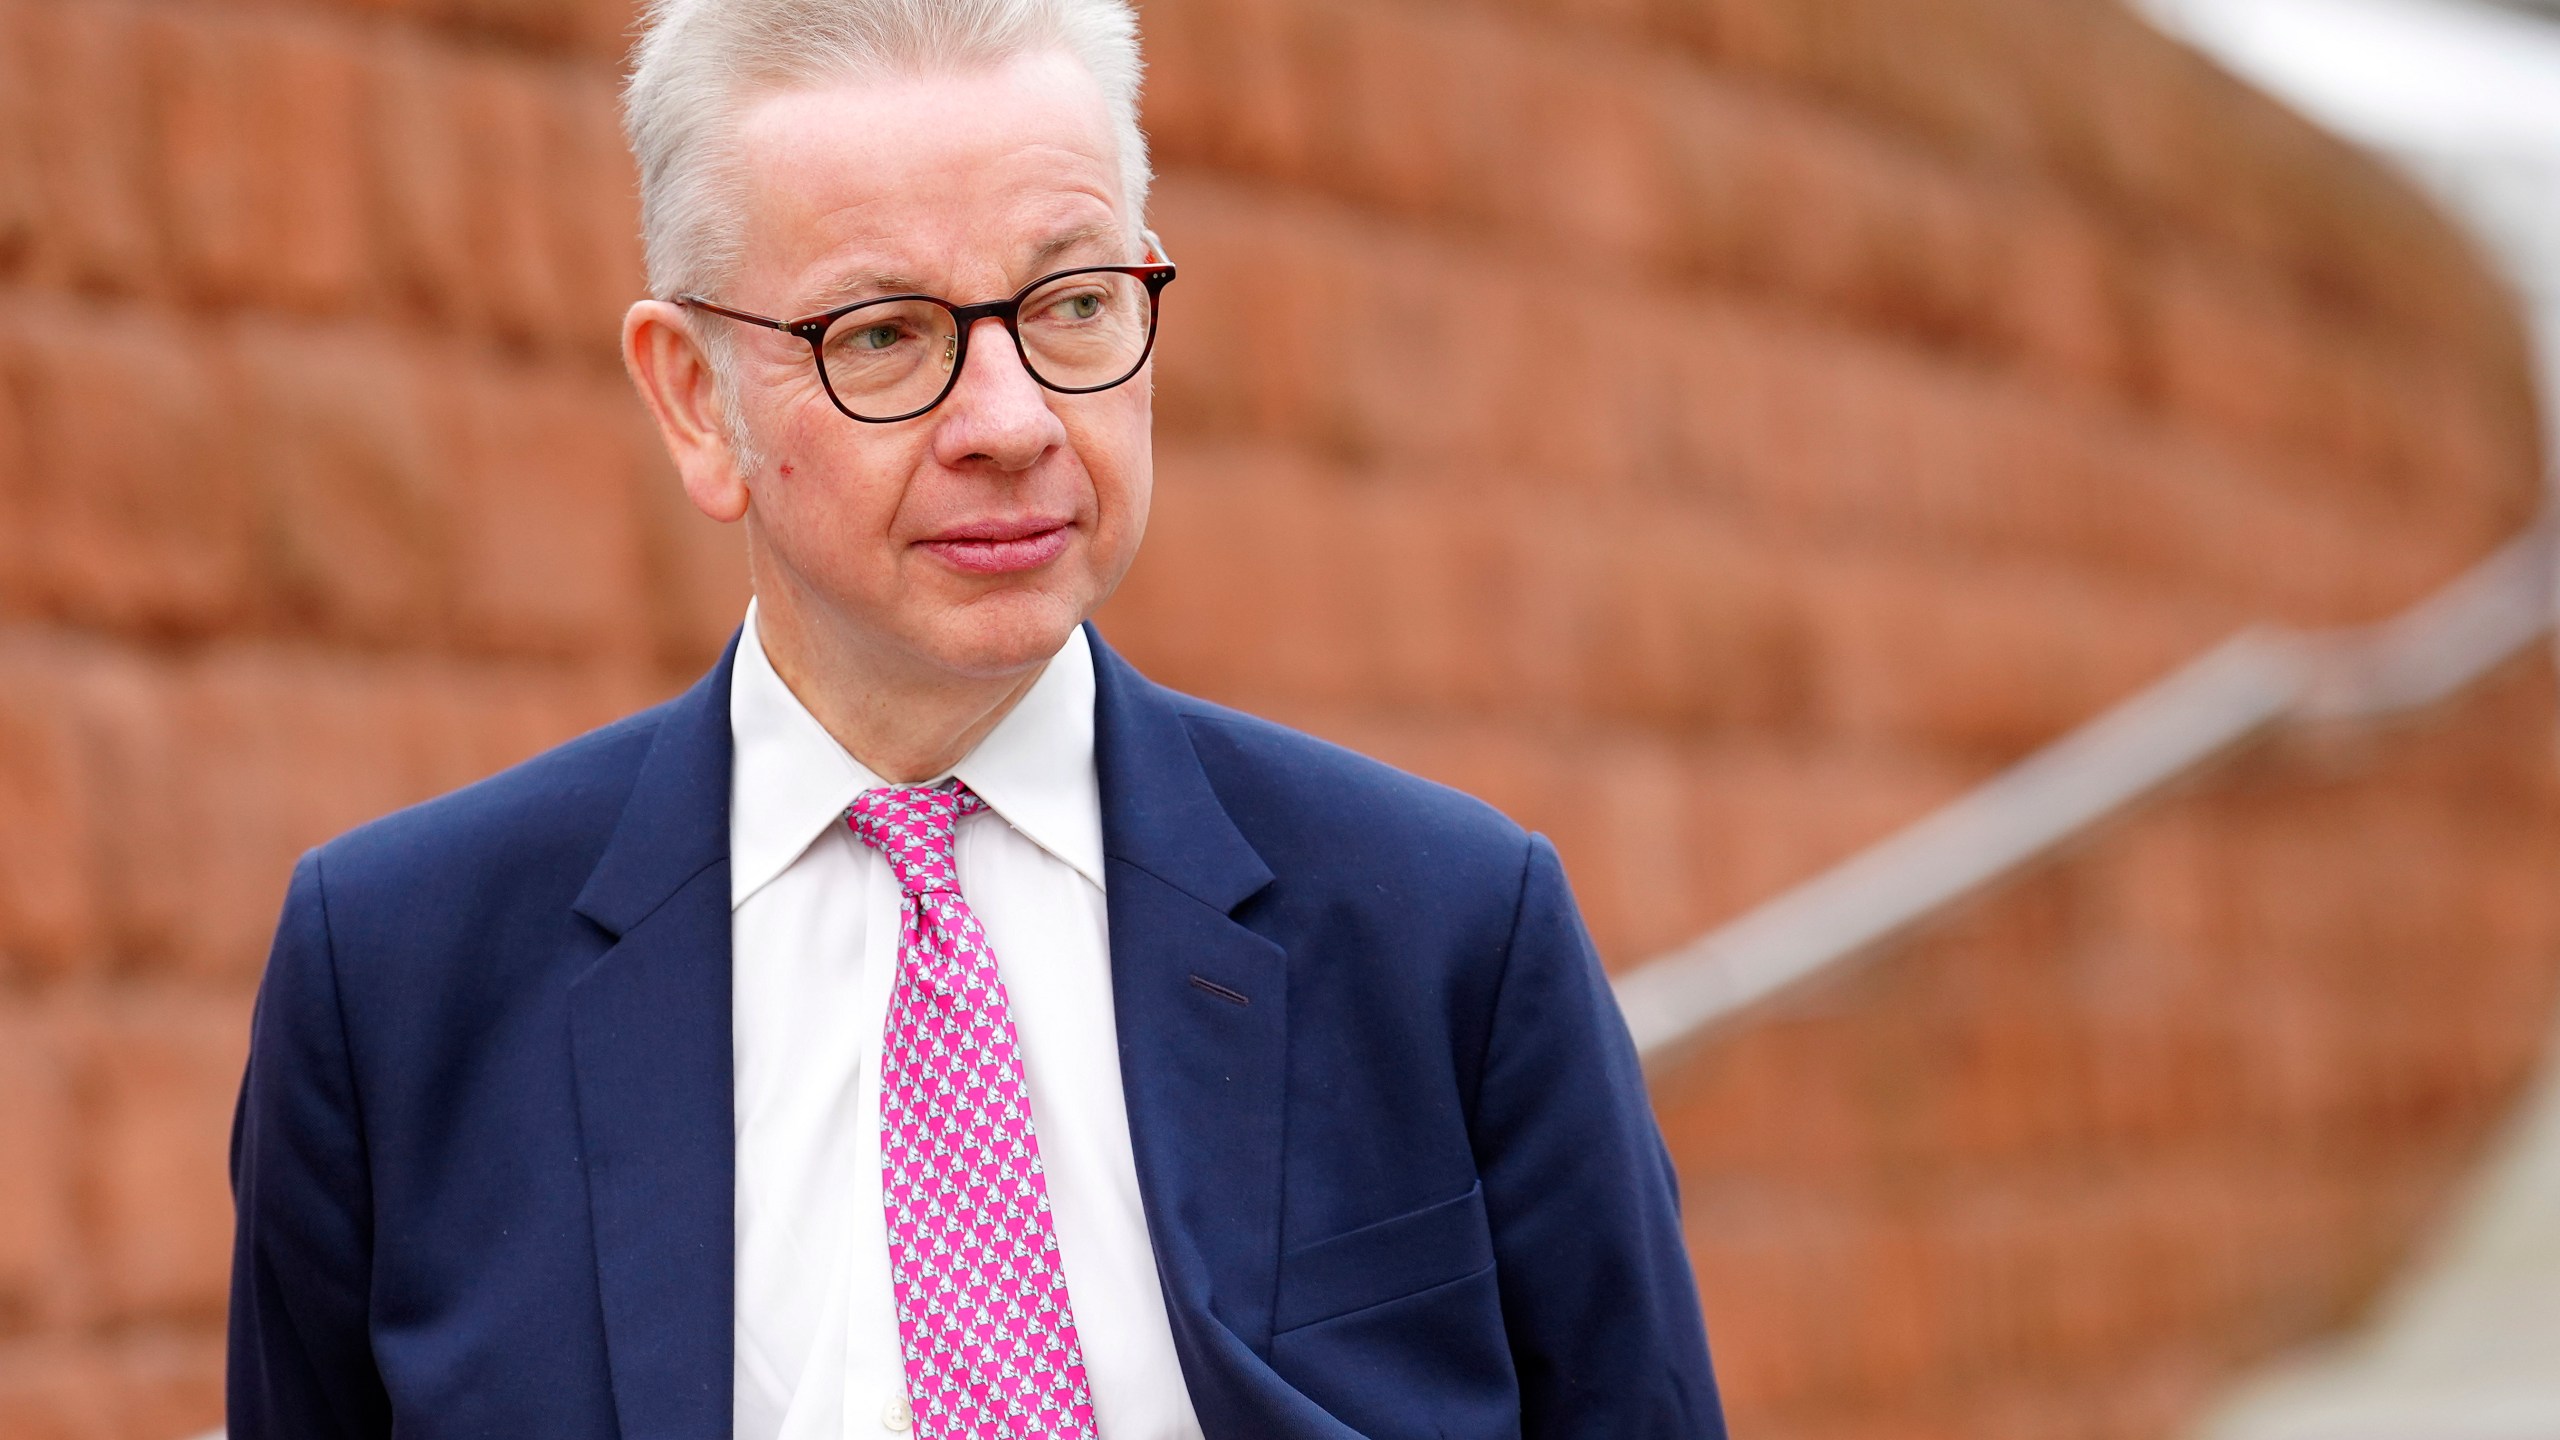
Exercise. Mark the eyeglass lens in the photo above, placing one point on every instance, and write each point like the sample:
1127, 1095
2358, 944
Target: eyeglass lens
1083, 331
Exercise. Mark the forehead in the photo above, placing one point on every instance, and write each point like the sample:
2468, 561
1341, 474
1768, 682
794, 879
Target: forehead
943, 177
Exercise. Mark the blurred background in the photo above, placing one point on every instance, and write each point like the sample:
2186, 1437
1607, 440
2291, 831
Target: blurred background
1793, 413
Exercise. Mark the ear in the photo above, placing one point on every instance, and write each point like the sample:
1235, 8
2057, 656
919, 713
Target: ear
674, 378
1155, 249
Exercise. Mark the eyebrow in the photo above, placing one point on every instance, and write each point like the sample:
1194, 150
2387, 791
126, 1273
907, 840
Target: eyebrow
870, 284
850, 288
1049, 254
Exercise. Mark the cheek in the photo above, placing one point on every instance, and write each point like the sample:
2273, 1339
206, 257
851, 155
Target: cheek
1132, 490
804, 435
833, 481
1118, 452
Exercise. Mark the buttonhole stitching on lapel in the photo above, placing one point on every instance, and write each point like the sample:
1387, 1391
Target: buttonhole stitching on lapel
1222, 992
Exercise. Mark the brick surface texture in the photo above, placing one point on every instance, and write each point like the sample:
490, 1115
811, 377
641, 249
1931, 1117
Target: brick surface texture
1763, 419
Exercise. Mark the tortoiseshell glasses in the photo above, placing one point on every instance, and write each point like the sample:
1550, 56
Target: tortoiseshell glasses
896, 357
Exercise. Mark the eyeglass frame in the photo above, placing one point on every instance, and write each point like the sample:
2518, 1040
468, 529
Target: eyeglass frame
813, 328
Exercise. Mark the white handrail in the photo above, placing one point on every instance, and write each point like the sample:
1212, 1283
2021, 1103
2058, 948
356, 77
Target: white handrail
2258, 680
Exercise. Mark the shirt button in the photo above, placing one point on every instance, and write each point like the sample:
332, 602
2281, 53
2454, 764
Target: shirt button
896, 1415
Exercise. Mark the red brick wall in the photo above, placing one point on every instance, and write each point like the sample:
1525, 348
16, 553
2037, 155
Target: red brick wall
1793, 408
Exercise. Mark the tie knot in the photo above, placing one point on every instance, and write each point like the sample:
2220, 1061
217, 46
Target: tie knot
912, 827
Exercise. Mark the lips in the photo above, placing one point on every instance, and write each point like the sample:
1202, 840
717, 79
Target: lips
1000, 547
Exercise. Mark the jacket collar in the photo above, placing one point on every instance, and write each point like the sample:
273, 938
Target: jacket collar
676, 823
1159, 813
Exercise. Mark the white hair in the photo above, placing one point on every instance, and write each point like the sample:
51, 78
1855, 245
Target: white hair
700, 62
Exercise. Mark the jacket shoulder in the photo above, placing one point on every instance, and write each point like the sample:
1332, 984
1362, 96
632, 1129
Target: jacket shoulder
1295, 795
551, 813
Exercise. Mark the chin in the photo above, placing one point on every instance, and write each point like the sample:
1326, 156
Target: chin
1004, 634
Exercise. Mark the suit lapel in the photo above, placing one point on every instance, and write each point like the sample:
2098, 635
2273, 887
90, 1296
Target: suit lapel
1202, 1008
649, 1036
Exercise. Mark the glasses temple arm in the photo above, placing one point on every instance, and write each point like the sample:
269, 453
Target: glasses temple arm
696, 302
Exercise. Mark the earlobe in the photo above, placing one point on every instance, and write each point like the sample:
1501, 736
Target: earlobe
716, 490
675, 381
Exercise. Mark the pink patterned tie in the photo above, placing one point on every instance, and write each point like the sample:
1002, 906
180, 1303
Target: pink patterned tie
990, 1340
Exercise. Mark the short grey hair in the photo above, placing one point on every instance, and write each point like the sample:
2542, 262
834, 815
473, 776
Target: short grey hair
700, 62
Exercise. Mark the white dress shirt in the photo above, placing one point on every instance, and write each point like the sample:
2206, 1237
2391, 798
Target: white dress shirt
814, 924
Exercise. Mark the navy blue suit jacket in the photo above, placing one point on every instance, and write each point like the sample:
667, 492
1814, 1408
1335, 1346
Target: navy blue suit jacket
1395, 1151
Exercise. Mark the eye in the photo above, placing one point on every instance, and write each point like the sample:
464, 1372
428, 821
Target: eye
873, 337
1081, 306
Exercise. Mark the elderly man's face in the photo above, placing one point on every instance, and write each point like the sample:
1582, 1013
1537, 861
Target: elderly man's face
971, 539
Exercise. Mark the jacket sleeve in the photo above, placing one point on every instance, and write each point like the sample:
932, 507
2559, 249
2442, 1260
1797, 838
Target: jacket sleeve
1597, 1293
301, 1360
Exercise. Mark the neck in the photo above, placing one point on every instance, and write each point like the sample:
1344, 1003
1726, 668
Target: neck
906, 721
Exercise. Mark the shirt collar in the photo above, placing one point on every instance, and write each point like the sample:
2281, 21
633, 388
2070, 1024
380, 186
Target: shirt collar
792, 780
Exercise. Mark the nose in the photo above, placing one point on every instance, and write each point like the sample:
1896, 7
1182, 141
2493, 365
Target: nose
996, 415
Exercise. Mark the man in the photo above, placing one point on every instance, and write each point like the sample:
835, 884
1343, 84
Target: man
926, 1024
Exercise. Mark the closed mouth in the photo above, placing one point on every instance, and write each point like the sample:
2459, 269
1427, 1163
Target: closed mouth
998, 547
